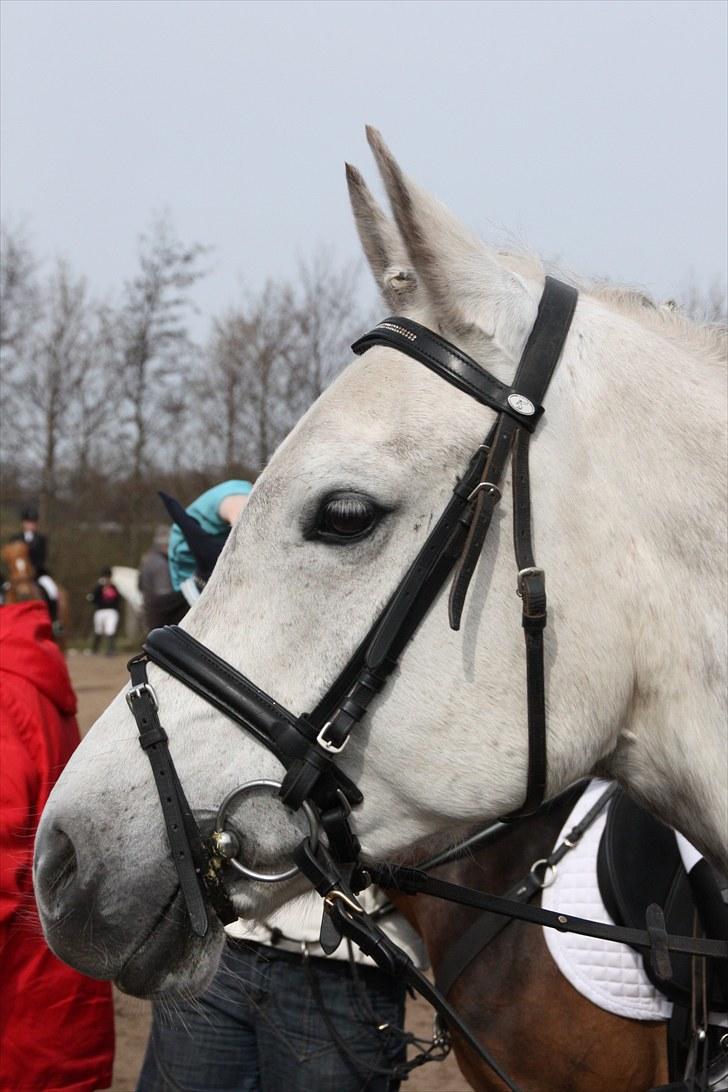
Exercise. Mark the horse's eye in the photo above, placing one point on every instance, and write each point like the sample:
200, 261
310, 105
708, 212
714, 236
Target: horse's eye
345, 517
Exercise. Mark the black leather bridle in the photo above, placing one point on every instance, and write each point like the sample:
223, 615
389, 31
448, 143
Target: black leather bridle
307, 744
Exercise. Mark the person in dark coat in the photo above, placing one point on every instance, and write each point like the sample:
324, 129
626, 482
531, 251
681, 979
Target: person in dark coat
106, 599
36, 542
38, 553
155, 583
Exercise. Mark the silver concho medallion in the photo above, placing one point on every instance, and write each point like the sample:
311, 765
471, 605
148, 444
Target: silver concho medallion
521, 404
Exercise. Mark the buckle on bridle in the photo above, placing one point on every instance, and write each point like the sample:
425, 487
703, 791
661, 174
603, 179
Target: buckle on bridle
332, 748
137, 691
493, 490
532, 570
335, 896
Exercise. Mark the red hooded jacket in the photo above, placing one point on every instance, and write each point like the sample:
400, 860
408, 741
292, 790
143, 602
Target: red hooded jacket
56, 1026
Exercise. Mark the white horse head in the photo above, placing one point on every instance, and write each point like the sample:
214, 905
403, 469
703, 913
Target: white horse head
627, 481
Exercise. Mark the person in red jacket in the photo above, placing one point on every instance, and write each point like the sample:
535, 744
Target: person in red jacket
56, 1026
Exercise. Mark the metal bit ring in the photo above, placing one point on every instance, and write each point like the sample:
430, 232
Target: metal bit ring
231, 837
549, 872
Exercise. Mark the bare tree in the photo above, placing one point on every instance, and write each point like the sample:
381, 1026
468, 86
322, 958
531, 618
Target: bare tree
19, 314
271, 357
19, 291
328, 315
709, 305
222, 394
58, 359
94, 415
247, 378
153, 339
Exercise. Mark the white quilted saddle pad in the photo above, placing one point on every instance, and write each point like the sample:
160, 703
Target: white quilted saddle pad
609, 975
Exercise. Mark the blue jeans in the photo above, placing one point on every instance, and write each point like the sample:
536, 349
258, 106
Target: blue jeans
274, 1022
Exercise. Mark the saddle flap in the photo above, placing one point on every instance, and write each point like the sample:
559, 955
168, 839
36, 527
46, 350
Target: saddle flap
639, 865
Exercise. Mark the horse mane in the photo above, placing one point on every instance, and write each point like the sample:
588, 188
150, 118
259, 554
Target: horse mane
709, 340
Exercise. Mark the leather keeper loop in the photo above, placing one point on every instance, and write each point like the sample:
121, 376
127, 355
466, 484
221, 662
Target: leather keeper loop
298, 784
151, 736
352, 708
659, 951
301, 778
343, 842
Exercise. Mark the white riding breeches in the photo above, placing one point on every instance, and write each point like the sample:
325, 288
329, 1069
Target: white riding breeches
106, 621
48, 585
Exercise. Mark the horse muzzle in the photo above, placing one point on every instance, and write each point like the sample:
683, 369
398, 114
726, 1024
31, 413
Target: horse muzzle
141, 939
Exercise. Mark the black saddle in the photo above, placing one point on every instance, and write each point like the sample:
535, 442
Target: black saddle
639, 864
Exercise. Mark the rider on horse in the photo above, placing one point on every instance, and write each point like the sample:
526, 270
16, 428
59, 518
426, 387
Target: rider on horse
37, 550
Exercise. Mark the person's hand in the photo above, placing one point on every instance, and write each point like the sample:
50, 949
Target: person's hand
231, 507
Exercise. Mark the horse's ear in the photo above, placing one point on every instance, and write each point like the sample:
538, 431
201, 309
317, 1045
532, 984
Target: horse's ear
472, 292
384, 250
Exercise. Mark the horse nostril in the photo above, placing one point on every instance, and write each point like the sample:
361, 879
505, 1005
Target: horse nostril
56, 866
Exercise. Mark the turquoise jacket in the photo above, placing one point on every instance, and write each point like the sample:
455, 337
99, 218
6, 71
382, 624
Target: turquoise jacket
206, 511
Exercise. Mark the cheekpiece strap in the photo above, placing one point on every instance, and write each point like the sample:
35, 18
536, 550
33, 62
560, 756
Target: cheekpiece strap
184, 840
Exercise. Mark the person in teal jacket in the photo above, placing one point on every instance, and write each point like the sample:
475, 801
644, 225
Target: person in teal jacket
215, 511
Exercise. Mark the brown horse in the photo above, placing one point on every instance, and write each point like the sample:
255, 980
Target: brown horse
543, 1032
22, 585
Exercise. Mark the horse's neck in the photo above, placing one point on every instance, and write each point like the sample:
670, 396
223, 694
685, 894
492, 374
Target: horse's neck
648, 417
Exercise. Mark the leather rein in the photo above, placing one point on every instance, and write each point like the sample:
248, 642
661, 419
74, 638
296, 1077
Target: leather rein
307, 744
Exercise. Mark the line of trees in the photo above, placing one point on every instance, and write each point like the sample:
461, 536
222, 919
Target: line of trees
98, 392
105, 401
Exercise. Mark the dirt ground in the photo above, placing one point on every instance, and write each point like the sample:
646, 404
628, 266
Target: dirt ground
96, 680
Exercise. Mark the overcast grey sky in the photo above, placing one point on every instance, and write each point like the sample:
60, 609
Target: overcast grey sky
590, 131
